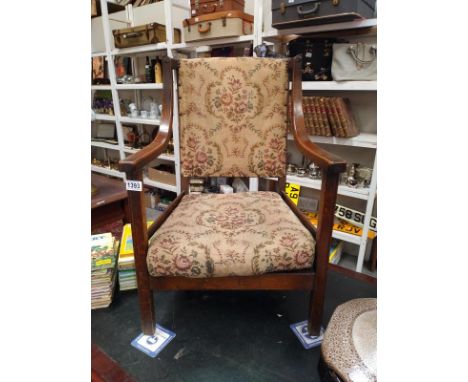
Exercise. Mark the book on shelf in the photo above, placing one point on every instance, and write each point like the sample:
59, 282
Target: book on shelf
323, 115
327, 116
345, 116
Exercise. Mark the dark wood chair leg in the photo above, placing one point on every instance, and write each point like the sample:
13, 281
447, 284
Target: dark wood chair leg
315, 312
324, 234
147, 312
140, 248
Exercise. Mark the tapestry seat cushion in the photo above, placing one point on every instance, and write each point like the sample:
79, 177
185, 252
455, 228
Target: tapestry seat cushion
241, 234
349, 345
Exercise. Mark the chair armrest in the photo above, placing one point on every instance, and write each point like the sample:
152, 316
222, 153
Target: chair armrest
150, 152
147, 154
321, 157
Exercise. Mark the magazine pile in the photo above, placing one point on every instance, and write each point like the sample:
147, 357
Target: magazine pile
103, 264
126, 262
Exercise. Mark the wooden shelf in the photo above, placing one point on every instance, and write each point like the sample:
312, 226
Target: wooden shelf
212, 42
105, 117
101, 87
339, 86
167, 157
105, 145
139, 86
107, 171
143, 121
354, 239
164, 186
98, 54
140, 49
276, 34
357, 193
366, 140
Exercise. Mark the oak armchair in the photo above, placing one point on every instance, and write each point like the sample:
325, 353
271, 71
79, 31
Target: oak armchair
233, 123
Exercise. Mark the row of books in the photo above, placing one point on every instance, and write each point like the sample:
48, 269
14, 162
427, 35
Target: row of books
328, 116
104, 250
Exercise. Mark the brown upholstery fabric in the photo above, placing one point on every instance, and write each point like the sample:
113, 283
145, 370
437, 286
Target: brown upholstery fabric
349, 345
214, 235
233, 116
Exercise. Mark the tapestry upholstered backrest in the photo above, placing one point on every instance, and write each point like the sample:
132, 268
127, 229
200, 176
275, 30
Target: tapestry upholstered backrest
233, 116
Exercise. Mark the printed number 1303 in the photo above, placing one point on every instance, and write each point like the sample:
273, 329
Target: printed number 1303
134, 185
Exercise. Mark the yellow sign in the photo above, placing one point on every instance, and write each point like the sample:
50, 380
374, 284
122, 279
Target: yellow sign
293, 190
342, 226
103, 262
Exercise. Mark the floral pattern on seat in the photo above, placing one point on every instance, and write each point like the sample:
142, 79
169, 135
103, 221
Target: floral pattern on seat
243, 234
233, 116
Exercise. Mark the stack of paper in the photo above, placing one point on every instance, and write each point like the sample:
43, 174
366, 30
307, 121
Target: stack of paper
103, 260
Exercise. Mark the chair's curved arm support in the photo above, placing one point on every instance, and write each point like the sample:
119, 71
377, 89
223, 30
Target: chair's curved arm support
150, 152
133, 168
321, 157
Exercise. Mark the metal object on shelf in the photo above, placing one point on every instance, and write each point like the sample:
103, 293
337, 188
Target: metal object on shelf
314, 171
291, 169
351, 179
364, 176
301, 171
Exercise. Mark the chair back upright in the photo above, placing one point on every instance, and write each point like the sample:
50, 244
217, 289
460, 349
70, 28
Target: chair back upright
233, 117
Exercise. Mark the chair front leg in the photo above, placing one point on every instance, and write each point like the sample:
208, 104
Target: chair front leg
140, 248
328, 194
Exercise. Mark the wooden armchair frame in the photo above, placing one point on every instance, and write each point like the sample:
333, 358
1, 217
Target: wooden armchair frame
313, 280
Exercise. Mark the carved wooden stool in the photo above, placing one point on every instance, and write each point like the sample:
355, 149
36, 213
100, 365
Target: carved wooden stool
349, 348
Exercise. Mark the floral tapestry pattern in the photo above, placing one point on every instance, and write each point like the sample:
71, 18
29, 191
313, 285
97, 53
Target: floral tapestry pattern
233, 116
243, 234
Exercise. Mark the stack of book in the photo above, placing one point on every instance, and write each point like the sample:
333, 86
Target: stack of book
103, 261
328, 116
126, 262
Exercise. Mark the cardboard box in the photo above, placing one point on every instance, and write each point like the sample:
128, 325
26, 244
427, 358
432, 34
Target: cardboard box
162, 176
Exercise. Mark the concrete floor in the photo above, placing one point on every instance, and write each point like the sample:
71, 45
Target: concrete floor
221, 336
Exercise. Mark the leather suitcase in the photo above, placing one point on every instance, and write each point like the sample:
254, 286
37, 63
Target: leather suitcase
202, 7
142, 35
300, 13
218, 25
317, 55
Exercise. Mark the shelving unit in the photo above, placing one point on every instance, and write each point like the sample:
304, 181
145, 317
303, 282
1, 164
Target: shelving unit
129, 19
262, 32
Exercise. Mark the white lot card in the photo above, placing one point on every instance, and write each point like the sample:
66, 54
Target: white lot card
152, 346
300, 330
